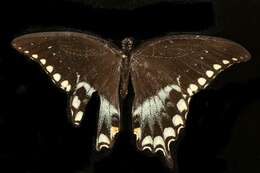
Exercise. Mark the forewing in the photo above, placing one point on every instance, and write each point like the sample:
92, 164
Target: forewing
80, 64
165, 73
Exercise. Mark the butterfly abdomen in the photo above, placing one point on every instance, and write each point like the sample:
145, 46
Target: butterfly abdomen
124, 78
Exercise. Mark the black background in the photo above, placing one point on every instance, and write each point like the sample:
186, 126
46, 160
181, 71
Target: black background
222, 133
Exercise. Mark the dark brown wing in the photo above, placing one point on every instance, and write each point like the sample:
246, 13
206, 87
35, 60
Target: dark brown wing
80, 64
165, 74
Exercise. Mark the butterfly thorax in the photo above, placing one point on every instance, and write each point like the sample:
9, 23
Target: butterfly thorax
127, 45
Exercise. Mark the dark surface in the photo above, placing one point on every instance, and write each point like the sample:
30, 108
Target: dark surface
222, 133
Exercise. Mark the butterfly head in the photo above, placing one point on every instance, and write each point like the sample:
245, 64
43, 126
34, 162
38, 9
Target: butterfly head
127, 44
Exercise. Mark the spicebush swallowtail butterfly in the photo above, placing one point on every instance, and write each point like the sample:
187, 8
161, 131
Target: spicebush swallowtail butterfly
165, 73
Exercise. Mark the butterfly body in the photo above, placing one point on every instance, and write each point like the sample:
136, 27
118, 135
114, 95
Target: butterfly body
164, 72
127, 46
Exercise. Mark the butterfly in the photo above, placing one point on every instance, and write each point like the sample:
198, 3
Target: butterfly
165, 73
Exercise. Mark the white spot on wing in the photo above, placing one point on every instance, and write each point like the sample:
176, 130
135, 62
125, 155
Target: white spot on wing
168, 132
49, 68
234, 59
56, 77
68, 88
26, 51
177, 120
35, 56
225, 61
64, 84
43, 61
78, 116
76, 102
189, 91
147, 140
217, 66
194, 87
103, 139
181, 105
202, 81
209, 73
